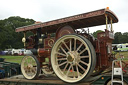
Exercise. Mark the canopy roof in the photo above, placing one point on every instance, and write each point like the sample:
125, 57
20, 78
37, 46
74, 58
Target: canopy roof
84, 20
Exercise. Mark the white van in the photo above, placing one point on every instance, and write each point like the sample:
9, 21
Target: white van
122, 47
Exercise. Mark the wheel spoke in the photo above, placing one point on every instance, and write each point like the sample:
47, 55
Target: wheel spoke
82, 51
34, 69
26, 70
33, 62
79, 47
70, 44
63, 63
74, 44
31, 71
63, 49
68, 70
84, 56
65, 67
66, 45
29, 60
77, 70
84, 62
60, 54
81, 67
73, 72
62, 59
26, 59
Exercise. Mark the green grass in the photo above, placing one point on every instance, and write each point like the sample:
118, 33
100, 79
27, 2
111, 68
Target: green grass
15, 59
119, 54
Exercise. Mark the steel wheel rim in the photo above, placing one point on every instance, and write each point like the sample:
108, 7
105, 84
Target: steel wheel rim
73, 58
29, 67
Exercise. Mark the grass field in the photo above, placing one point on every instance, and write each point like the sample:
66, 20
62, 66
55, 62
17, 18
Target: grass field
119, 54
16, 59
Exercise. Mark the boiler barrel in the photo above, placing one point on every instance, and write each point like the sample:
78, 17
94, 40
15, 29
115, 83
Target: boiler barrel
41, 52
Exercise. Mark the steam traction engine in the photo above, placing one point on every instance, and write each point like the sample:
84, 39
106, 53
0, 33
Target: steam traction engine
74, 54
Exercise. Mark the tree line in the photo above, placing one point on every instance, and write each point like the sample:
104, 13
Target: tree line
120, 38
10, 39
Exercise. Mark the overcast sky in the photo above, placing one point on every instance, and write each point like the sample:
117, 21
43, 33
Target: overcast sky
46, 10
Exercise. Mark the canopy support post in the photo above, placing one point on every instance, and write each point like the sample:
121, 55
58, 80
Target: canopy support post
111, 25
106, 22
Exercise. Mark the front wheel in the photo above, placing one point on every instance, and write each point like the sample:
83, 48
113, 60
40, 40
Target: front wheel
30, 67
73, 58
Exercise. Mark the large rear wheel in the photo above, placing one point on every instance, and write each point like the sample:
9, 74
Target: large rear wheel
30, 67
73, 58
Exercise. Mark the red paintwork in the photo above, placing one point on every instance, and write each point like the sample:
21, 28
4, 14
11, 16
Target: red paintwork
104, 48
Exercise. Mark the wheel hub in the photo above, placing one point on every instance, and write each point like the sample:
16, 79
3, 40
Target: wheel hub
72, 57
29, 66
